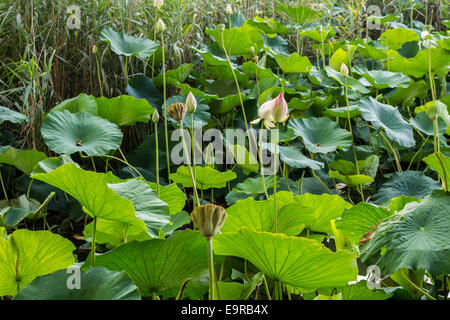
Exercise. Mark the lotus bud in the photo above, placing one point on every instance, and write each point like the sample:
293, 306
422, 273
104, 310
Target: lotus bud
209, 155
229, 10
344, 70
436, 109
155, 116
94, 49
252, 51
177, 111
208, 219
158, 3
160, 26
221, 27
191, 103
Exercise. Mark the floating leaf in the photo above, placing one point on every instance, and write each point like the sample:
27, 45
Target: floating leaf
66, 132
30, 254
416, 238
126, 45
124, 110
205, 177
158, 265
383, 116
321, 135
407, 183
94, 284
299, 262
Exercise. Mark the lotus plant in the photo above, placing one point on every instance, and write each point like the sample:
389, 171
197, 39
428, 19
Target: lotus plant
191, 105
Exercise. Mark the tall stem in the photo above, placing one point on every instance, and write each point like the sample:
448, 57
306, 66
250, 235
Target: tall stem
157, 158
193, 145
4, 189
94, 231
196, 200
165, 107
212, 276
261, 161
275, 156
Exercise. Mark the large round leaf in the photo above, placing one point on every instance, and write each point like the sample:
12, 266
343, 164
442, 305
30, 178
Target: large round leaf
158, 265
296, 159
126, 45
81, 103
66, 132
321, 135
259, 216
417, 238
92, 192
94, 284
299, 14
383, 116
172, 195
299, 262
124, 110
294, 63
23, 160
205, 177
407, 183
29, 254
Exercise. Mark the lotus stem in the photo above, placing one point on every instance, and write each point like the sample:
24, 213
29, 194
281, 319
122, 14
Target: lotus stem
266, 288
94, 231
193, 145
261, 160
275, 156
165, 106
196, 200
3, 187
212, 281
157, 158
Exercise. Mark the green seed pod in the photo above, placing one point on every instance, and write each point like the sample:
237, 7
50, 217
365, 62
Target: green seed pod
208, 219
177, 111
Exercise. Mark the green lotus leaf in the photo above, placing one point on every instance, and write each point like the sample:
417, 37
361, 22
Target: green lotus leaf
174, 76
341, 56
299, 14
383, 116
349, 81
394, 38
294, 261
23, 160
148, 208
52, 163
425, 124
268, 26
360, 219
172, 195
126, 45
237, 290
66, 132
321, 135
318, 210
142, 87
124, 110
399, 203
95, 284
294, 63
416, 238
259, 216
81, 103
176, 221
254, 185
205, 177
342, 112
91, 190
319, 34
293, 157
27, 255
437, 109
250, 69
144, 155
227, 103
12, 116
381, 79
238, 41
351, 179
441, 164
357, 291
158, 265
407, 183
302, 105
406, 96
418, 65
244, 159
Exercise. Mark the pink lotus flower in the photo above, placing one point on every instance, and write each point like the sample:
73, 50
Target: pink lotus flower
273, 111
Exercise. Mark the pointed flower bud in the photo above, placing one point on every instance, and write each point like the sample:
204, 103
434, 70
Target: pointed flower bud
191, 103
177, 111
344, 70
208, 219
158, 3
94, 49
155, 116
229, 10
160, 26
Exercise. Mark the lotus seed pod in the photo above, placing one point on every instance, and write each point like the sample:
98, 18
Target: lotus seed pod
344, 70
229, 10
191, 103
221, 27
155, 116
208, 219
436, 109
160, 26
94, 49
177, 111
158, 3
